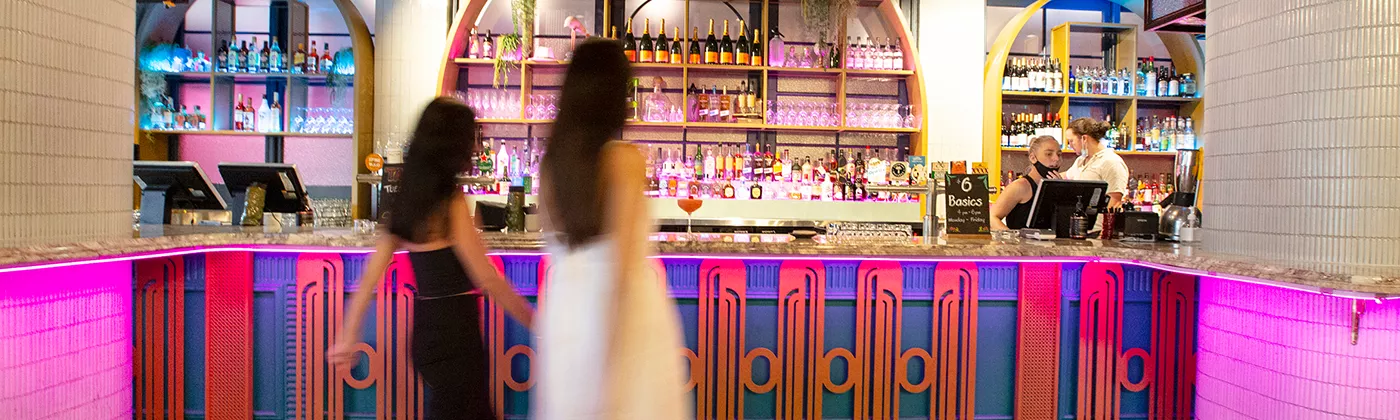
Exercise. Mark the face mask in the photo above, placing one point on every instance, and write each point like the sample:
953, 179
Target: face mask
1043, 170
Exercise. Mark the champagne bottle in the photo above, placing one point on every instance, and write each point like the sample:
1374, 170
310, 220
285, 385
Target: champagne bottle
741, 51
629, 44
726, 46
646, 50
663, 47
676, 55
695, 56
756, 50
711, 46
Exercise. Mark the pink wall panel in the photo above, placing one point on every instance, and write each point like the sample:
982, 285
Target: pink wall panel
322, 161
65, 342
1270, 353
208, 151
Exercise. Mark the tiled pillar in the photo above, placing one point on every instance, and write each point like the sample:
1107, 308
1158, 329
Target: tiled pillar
1302, 140
66, 108
951, 70
1271, 353
410, 39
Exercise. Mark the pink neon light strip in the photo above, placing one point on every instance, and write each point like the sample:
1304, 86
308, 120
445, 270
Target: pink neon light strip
331, 250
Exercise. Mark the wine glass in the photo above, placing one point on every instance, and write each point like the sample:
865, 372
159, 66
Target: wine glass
689, 206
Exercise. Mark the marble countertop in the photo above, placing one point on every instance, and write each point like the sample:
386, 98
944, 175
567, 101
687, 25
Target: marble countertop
1195, 257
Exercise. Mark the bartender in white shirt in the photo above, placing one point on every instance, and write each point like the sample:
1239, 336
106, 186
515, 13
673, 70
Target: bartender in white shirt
1096, 162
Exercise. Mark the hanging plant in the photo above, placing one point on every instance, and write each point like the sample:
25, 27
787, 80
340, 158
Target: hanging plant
826, 16
507, 59
340, 78
513, 47
153, 88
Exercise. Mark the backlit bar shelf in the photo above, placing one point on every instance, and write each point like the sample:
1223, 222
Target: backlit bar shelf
250, 133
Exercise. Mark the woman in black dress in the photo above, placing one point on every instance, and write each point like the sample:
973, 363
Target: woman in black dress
431, 220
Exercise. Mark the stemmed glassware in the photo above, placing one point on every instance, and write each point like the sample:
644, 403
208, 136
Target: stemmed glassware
803, 113
881, 115
315, 120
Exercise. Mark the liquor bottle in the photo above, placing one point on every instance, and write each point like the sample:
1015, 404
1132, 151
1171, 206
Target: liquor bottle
651, 169
726, 46
1162, 81
1151, 82
313, 61
264, 58
629, 43
663, 47
741, 50
896, 56
474, 45
646, 51
275, 116
1174, 84
702, 105
264, 116
488, 46
203, 124
274, 57
299, 59
1079, 223
711, 46
725, 110
714, 103
756, 191
695, 56
250, 115
709, 165
502, 162
238, 113
327, 62
698, 163
676, 55
221, 60
181, 119
728, 190
242, 65
756, 50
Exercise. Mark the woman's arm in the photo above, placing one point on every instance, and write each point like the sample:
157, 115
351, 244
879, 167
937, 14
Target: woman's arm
469, 248
1018, 192
384, 249
624, 178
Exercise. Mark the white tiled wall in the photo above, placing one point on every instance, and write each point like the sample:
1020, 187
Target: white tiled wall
66, 109
407, 59
1303, 146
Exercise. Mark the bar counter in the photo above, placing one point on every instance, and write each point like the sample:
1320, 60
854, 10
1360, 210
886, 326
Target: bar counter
1197, 258
240, 318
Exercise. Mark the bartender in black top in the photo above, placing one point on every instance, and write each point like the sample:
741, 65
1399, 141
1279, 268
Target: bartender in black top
1014, 204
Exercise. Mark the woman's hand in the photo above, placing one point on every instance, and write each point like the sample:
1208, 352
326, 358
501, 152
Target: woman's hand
343, 352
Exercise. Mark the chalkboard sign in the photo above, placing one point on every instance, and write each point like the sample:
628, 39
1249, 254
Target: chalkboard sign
389, 188
968, 210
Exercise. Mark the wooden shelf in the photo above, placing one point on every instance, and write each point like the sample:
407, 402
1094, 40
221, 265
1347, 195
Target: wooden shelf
802, 128
878, 130
466, 61
1167, 99
735, 126
1005, 149
248, 133
1036, 95
655, 124
1096, 97
864, 73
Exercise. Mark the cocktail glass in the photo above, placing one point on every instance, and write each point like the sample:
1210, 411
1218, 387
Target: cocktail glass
689, 206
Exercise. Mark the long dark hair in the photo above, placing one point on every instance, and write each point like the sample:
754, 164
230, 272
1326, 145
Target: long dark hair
441, 147
592, 108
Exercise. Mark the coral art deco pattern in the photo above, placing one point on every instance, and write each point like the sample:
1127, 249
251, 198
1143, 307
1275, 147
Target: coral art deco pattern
767, 338
159, 357
321, 297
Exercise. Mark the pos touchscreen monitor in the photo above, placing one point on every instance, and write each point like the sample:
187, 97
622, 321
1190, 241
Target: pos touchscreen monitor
285, 191
167, 186
1056, 200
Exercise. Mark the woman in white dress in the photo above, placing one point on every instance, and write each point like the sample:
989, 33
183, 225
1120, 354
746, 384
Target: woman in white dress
609, 336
